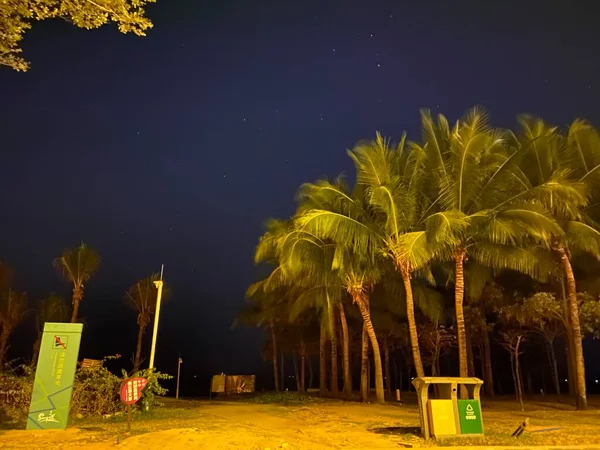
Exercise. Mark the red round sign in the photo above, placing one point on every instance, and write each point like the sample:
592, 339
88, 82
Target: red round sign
131, 390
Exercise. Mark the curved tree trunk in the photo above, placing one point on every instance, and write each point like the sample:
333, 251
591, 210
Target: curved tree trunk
282, 369
488, 373
334, 356
36, 348
569, 359
518, 374
6, 331
138, 349
77, 296
412, 324
470, 356
322, 361
386, 359
302, 365
363, 304
345, 352
364, 366
459, 294
296, 373
310, 372
553, 367
274, 356
575, 329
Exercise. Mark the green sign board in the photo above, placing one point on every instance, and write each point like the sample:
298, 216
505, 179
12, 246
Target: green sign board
51, 397
469, 412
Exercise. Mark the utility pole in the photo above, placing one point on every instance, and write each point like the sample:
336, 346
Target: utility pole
159, 288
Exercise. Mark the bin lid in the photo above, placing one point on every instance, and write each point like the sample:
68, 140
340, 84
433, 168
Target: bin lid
448, 380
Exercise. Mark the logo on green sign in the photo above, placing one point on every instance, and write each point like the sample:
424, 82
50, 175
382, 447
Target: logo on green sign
470, 417
60, 342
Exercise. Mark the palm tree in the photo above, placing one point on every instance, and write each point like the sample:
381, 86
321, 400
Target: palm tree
304, 268
483, 210
141, 297
570, 164
77, 265
266, 308
13, 308
356, 268
384, 216
50, 309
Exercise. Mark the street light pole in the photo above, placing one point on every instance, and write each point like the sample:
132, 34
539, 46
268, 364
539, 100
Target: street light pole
178, 373
159, 288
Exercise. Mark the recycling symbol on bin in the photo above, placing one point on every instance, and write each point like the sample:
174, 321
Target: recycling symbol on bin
470, 413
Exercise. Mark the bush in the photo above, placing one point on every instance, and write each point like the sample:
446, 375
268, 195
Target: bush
15, 393
96, 391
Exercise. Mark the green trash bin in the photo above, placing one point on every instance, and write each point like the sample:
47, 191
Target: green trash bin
449, 416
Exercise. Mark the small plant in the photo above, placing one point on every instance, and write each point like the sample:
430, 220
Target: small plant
152, 390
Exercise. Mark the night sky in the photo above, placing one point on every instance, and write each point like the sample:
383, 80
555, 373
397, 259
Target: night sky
174, 148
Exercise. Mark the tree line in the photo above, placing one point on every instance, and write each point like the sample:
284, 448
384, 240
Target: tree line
502, 223
77, 266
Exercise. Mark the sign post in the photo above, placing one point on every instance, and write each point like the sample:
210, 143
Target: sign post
131, 392
54, 375
469, 412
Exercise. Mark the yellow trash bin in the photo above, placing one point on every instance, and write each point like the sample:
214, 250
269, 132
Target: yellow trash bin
441, 417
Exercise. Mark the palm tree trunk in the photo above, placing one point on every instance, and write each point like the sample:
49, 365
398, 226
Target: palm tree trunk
569, 359
518, 374
412, 324
345, 351
488, 373
6, 331
310, 373
323, 361
302, 365
470, 356
363, 304
553, 367
364, 366
77, 296
459, 294
575, 329
334, 357
36, 348
138, 349
386, 359
274, 356
396, 382
296, 373
282, 369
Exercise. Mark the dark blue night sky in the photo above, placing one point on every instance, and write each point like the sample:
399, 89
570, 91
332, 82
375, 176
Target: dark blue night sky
176, 147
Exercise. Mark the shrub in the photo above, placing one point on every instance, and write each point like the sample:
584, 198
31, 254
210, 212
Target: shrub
95, 391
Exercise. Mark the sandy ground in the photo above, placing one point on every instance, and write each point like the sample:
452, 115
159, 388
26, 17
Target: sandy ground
328, 425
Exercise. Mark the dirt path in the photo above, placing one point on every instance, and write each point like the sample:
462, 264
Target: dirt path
315, 426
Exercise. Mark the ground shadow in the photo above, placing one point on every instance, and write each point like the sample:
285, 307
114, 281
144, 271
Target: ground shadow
397, 430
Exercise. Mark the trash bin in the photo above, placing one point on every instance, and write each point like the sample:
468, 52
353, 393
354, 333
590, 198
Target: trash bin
448, 415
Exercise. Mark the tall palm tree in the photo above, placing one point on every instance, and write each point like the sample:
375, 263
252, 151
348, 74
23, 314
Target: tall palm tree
141, 297
13, 308
384, 216
575, 156
77, 266
356, 268
50, 309
483, 205
267, 308
304, 267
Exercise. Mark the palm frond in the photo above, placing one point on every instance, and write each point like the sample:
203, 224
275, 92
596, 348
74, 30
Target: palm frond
582, 238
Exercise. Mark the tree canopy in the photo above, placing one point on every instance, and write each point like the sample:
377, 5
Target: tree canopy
18, 16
